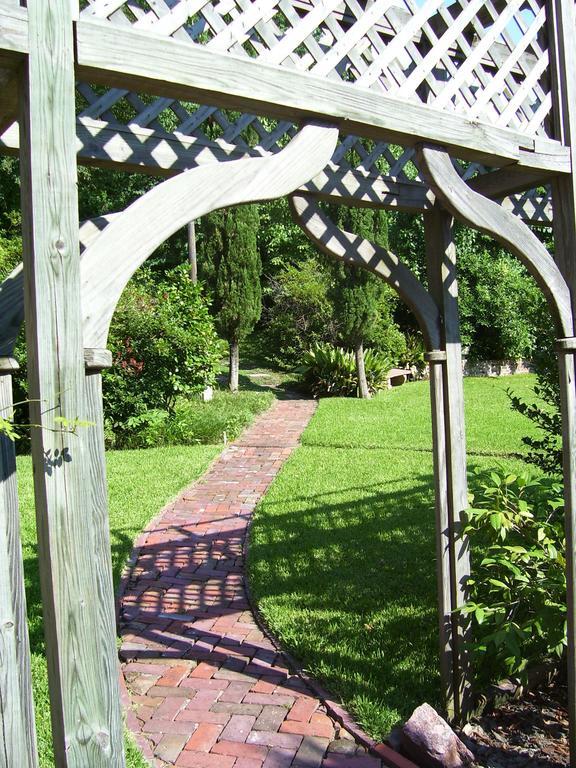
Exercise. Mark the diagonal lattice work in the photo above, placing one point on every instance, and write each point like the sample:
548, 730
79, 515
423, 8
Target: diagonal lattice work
485, 59
236, 132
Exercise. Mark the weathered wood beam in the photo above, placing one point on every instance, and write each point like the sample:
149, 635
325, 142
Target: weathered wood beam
489, 217
81, 653
443, 286
507, 181
561, 21
13, 30
169, 206
140, 61
9, 90
18, 739
436, 360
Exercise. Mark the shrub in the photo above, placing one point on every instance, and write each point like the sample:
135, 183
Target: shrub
517, 598
163, 344
544, 450
413, 356
329, 371
298, 312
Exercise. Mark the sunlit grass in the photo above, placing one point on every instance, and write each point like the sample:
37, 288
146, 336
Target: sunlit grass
342, 555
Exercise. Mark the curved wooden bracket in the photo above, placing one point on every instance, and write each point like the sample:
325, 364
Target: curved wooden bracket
477, 211
126, 244
349, 248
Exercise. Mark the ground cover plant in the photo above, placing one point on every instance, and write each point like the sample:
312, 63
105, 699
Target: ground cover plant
342, 547
140, 483
193, 421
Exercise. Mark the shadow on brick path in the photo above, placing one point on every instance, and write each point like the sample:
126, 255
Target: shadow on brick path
206, 687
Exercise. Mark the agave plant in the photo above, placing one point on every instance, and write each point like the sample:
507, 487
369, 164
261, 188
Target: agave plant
329, 371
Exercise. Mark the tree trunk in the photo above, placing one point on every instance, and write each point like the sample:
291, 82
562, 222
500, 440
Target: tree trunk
234, 365
363, 391
192, 252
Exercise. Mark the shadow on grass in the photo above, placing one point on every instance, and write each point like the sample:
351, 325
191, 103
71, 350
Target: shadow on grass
284, 387
350, 587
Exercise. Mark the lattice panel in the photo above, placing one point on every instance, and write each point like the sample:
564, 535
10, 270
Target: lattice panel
486, 59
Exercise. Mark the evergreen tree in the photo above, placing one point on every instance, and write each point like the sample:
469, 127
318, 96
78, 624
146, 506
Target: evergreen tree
357, 292
231, 245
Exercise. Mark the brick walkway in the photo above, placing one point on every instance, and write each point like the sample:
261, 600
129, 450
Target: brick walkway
207, 688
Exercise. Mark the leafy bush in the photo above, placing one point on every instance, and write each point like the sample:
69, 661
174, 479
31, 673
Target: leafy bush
194, 421
545, 450
298, 312
517, 597
413, 356
164, 345
329, 371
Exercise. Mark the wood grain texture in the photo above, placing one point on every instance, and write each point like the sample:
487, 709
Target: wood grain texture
487, 216
8, 98
18, 737
443, 286
12, 288
443, 538
85, 706
13, 29
348, 247
141, 61
566, 362
561, 22
159, 213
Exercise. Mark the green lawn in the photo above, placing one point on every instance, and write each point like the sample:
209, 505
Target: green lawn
140, 483
342, 547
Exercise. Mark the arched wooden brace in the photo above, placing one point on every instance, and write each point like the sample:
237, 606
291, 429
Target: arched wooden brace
128, 241
487, 216
480, 213
350, 248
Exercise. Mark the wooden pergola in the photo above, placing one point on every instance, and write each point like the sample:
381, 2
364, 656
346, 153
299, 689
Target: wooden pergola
464, 110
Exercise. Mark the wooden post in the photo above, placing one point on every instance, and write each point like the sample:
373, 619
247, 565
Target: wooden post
436, 360
95, 361
83, 695
566, 351
441, 261
561, 22
16, 706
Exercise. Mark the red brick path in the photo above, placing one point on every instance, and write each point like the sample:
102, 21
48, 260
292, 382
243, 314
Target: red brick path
207, 688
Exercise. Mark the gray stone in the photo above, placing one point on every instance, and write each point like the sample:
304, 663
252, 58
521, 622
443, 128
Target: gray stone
431, 743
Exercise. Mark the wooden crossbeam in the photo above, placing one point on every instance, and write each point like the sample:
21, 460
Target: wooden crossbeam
8, 98
142, 62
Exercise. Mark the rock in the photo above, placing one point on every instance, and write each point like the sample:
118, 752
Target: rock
431, 743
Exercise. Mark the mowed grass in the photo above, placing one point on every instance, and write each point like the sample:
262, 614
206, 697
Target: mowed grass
342, 554
140, 483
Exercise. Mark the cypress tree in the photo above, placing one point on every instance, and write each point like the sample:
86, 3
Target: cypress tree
232, 238
357, 292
